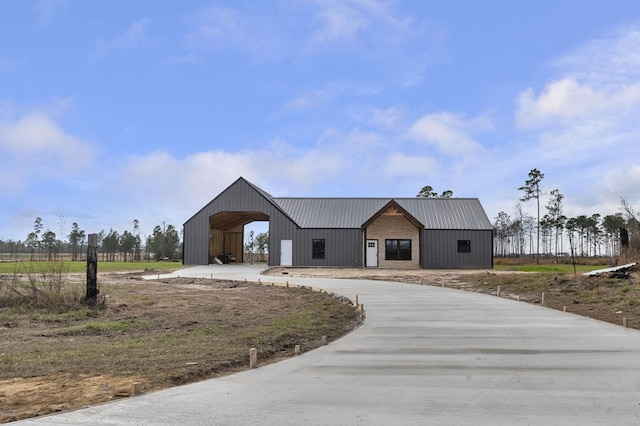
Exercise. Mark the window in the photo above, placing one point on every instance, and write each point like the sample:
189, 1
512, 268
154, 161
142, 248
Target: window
464, 246
318, 249
397, 250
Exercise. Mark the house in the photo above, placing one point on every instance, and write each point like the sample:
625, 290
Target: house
430, 233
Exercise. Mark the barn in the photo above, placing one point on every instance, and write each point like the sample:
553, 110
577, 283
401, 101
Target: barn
406, 233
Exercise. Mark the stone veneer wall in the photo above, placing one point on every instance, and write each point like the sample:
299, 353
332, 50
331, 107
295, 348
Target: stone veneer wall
395, 227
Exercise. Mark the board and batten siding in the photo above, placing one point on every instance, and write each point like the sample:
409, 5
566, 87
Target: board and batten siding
343, 247
440, 249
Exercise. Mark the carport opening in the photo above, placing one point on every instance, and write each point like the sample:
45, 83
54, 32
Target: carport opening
227, 235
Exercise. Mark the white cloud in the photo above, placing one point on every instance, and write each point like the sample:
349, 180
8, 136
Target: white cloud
46, 9
38, 134
389, 118
584, 125
600, 87
624, 181
35, 145
309, 100
399, 164
223, 28
567, 101
349, 21
338, 159
450, 134
135, 36
610, 61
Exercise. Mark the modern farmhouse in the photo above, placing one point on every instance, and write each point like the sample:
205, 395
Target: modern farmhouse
430, 233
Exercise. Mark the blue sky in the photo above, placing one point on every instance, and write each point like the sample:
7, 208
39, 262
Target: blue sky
116, 110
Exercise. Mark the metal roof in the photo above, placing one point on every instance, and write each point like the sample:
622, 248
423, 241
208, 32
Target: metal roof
345, 213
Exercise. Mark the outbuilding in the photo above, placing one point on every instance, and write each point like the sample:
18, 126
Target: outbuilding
429, 233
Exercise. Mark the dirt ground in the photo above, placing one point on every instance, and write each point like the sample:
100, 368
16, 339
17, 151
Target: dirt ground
614, 300
154, 335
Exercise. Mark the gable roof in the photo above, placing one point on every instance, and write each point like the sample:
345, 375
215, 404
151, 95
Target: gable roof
238, 183
354, 213
432, 213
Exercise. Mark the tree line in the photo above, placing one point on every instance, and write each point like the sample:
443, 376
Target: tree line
256, 246
588, 235
40, 244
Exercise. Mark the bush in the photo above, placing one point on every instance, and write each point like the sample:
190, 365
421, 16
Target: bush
43, 287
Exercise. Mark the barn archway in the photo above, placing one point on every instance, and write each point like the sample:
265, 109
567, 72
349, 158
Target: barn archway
226, 234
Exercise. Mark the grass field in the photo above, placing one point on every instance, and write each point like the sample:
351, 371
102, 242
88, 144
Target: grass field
69, 266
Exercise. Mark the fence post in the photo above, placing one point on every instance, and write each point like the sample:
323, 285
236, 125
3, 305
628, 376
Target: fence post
253, 358
92, 269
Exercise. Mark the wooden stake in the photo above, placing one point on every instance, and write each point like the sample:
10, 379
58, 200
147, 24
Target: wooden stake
135, 389
296, 350
624, 322
498, 292
253, 358
564, 309
542, 300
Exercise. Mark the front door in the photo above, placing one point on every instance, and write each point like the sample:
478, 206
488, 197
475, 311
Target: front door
286, 252
372, 253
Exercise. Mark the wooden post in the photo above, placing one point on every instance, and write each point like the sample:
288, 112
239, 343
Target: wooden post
253, 358
92, 269
498, 292
624, 322
542, 300
296, 350
135, 389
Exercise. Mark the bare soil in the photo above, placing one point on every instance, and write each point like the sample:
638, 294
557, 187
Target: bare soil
152, 335
602, 297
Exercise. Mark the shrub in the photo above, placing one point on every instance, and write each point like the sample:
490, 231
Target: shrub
43, 287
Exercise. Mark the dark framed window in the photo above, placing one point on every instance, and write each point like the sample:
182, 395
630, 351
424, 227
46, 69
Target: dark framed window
464, 246
397, 249
318, 249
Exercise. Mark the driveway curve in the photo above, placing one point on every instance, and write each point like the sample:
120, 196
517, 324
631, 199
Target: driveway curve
424, 356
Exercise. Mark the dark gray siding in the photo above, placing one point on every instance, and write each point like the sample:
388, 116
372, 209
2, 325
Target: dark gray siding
440, 249
343, 247
239, 197
339, 222
280, 228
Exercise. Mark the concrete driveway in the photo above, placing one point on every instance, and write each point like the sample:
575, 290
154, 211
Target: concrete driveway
424, 356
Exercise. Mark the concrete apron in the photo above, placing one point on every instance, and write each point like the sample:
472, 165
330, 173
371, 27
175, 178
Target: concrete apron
425, 355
